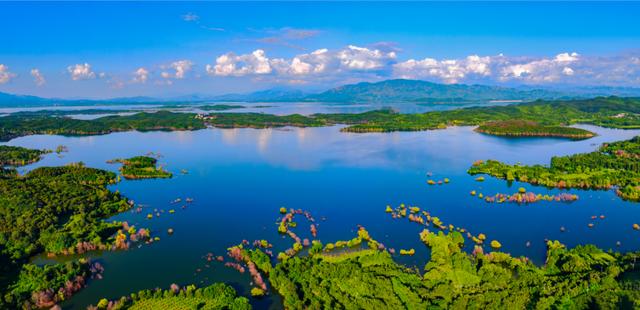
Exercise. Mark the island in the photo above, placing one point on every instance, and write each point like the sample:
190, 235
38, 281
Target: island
19, 156
523, 128
220, 107
612, 165
141, 167
550, 118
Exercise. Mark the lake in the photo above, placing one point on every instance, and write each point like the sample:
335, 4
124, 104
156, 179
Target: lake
239, 178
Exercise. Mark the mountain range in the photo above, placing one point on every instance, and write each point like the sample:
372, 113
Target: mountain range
387, 92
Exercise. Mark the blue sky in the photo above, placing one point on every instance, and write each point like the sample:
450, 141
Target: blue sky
119, 49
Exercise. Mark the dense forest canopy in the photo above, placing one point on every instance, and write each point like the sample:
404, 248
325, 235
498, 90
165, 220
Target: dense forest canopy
610, 112
141, 167
18, 156
53, 210
614, 164
581, 278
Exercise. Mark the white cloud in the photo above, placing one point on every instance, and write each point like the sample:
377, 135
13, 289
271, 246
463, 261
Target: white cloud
566, 57
447, 70
190, 17
231, 64
141, 75
5, 75
567, 71
38, 78
541, 70
361, 58
81, 72
354, 63
180, 69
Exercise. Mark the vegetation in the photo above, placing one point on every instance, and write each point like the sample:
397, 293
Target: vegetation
581, 278
141, 167
44, 286
521, 128
260, 120
615, 164
610, 112
18, 156
53, 210
13, 126
220, 107
216, 296
550, 117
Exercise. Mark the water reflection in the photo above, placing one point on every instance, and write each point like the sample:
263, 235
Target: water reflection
241, 177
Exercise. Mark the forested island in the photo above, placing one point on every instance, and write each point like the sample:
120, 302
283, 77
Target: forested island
19, 156
220, 107
550, 118
141, 167
522, 128
613, 165
13, 126
55, 210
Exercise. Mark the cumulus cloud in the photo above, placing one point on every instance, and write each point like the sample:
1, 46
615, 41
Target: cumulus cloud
5, 75
540, 70
81, 72
376, 62
141, 75
231, 64
177, 70
446, 70
361, 58
38, 78
321, 62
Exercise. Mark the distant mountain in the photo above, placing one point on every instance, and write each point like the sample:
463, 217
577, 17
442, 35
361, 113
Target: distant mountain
13, 100
415, 91
270, 95
388, 92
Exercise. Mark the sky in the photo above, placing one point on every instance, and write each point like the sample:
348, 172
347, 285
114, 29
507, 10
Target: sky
118, 49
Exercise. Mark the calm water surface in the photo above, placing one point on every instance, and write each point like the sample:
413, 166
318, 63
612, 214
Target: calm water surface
239, 179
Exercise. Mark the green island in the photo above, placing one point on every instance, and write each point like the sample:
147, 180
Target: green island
215, 296
141, 167
522, 128
59, 211
220, 107
614, 164
261, 120
16, 126
19, 156
551, 117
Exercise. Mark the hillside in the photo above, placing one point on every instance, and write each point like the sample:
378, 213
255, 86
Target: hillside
392, 91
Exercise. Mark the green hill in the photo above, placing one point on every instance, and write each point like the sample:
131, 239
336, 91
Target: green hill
414, 91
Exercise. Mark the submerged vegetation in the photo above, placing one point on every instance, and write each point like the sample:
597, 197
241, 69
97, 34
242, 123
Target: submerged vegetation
141, 167
580, 278
534, 118
613, 165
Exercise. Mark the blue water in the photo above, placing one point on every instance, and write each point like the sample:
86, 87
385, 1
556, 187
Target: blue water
239, 179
